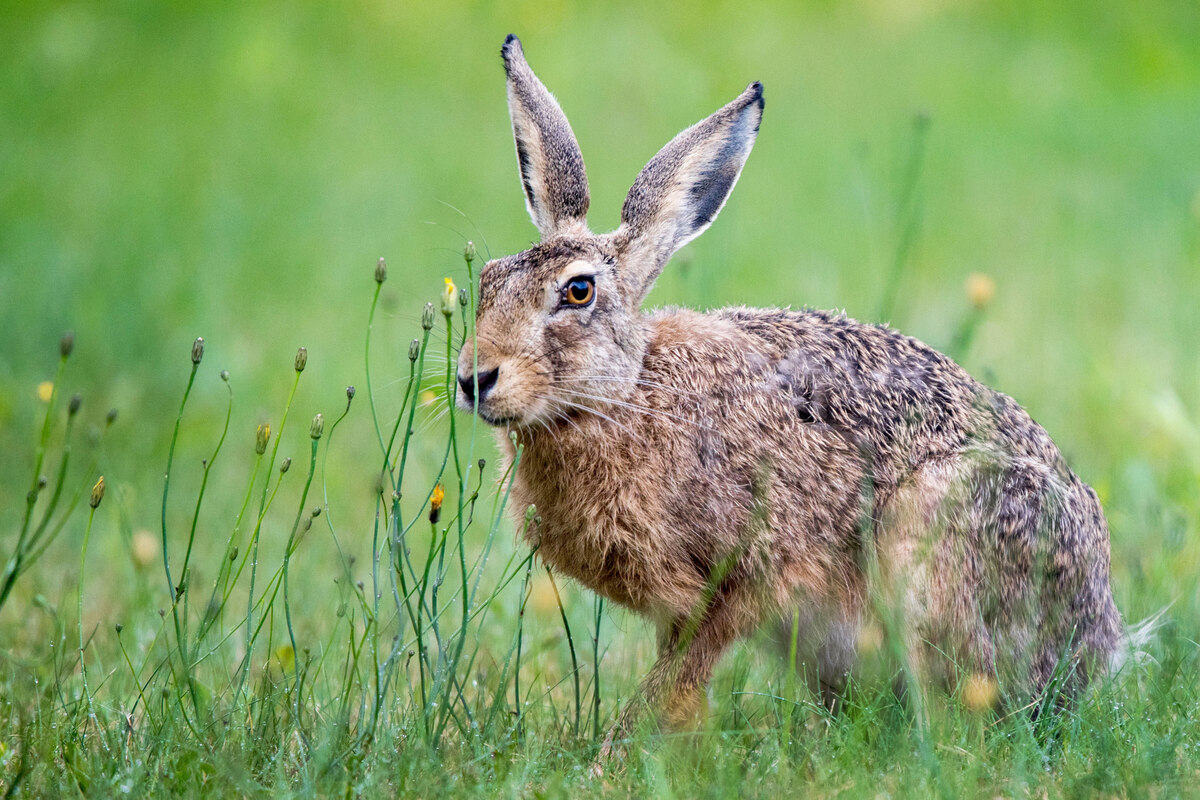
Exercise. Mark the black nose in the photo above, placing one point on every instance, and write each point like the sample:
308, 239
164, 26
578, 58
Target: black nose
486, 381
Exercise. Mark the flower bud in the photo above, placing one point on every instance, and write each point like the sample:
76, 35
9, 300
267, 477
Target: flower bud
286, 465
317, 428
73, 406
980, 289
427, 317
198, 350
67, 343
110, 417
435, 503
381, 271
449, 297
42, 481
225, 375
97, 493
261, 437
119, 628
414, 349
349, 392
482, 464
233, 554
469, 252
464, 299
301, 359
316, 512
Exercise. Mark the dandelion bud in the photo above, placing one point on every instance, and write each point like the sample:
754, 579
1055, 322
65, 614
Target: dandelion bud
261, 437
316, 512
67, 343
73, 406
464, 299
110, 417
449, 297
435, 503
414, 349
469, 252
286, 465
427, 317
980, 289
381, 271
349, 392
119, 628
225, 375
317, 428
482, 464
233, 554
197, 349
530, 513
97, 493
42, 481
301, 359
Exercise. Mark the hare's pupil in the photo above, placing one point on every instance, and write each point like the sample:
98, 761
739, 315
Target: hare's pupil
579, 291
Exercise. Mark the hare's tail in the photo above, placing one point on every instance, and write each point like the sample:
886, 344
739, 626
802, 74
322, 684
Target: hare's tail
1135, 643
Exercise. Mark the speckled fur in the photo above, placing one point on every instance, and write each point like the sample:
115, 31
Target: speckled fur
713, 471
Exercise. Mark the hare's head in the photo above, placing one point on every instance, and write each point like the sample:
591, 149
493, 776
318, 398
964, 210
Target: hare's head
559, 326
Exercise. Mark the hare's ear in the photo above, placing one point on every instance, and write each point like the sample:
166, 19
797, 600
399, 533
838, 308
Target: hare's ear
679, 193
556, 189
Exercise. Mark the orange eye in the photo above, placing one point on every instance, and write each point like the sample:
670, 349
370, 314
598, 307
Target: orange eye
580, 291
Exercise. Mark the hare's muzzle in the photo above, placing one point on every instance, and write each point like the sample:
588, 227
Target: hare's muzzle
484, 380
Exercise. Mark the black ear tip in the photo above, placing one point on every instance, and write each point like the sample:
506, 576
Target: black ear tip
756, 93
512, 37
511, 44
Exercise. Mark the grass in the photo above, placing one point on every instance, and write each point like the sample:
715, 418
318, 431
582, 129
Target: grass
233, 172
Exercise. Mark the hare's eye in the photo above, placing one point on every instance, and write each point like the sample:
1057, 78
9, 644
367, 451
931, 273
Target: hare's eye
579, 292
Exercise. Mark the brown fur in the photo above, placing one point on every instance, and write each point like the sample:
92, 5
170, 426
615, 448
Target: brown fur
713, 471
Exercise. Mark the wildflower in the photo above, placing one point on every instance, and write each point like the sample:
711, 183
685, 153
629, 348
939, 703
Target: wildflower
286, 465
427, 397
414, 349
261, 437
449, 297
427, 317
301, 359
97, 493
469, 252
381, 271
145, 549
317, 428
197, 350
285, 657
464, 299
67, 343
980, 289
45, 390
979, 692
435, 503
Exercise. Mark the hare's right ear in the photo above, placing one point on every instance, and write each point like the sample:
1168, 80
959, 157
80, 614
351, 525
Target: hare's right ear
679, 193
556, 189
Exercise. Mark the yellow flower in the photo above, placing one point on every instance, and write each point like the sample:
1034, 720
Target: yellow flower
980, 289
428, 397
145, 549
435, 503
449, 297
45, 390
285, 658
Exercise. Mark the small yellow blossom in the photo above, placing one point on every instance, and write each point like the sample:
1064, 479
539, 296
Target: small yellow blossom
285, 659
435, 503
980, 289
45, 390
145, 549
428, 397
449, 297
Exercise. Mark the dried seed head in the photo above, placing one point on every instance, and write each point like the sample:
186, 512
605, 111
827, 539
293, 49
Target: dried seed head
110, 417
414, 349
435, 503
449, 297
198, 350
261, 437
301, 359
469, 252
317, 428
73, 406
427, 317
286, 465
381, 271
67, 343
97, 493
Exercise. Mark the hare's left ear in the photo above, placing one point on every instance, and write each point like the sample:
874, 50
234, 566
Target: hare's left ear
556, 189
679, 193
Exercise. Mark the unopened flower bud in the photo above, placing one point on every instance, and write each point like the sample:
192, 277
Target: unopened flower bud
67, 343
482, 464
198, 350
469, 252
464, 299
317, 428
449, 297
119, 628
427, 317
233, 554
97, 493
349, 392
286, 465
73, 406
381, 271
414, 349
316, 512
225, 375
261, 437
435, 503
42, 481
301, 359
110, 417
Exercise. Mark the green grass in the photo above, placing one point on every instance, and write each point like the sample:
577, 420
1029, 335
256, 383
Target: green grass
233, 172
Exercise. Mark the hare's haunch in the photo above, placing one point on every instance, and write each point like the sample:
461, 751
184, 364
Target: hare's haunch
717, 471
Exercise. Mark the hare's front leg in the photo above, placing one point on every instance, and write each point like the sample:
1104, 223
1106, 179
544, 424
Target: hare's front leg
670, 694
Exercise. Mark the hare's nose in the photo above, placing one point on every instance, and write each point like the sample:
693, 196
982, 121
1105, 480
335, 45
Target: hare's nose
486, 381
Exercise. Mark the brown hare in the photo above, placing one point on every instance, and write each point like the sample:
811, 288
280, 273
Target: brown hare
718, 471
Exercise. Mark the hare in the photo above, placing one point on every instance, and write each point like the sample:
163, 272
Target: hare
720, 471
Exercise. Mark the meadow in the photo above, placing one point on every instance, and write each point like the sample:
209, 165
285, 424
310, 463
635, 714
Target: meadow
1016, 184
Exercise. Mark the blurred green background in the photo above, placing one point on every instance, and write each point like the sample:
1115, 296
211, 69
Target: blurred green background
233, 170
